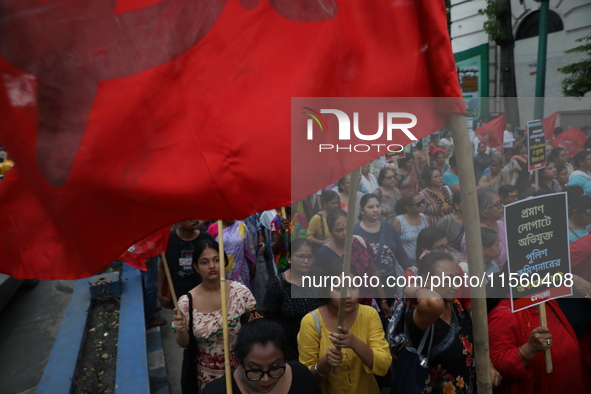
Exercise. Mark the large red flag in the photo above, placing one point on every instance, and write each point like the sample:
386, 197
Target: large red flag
491, 133
572, 140
125, 116
548, 125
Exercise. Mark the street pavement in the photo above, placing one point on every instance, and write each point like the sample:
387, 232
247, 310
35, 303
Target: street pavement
173, 353
29, 324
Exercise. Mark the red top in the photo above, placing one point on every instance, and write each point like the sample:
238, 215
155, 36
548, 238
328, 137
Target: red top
580, 252
508, 331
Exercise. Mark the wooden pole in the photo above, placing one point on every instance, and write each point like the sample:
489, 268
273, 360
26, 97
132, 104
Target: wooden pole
463, 154
169, 279
354, 185
537, 181
224, 309
286, 234
544, 323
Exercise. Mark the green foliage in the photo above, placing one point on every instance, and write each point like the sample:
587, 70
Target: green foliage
493, 27
578, 81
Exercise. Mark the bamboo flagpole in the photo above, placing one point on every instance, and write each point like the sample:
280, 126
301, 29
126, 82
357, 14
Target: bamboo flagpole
224, 309
286, 234
354, 185
544, 323
169, 279
463, 154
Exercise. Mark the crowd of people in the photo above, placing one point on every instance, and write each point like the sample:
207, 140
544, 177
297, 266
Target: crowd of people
286, 338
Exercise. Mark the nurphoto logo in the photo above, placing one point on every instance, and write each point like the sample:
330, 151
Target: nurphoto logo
395, 121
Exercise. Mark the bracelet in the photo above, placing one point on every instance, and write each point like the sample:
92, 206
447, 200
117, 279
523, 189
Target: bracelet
523, 354
384, 300
317, 371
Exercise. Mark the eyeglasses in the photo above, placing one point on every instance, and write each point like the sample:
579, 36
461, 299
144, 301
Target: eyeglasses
303, 257
498, 205
440, 248
255, 375
391, 177
417, 204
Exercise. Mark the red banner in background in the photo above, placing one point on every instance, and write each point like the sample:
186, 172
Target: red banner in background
151, 246
548, 124
491, 133
121, 124
572, 140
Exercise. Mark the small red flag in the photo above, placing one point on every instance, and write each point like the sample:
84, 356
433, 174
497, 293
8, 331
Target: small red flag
124, 119
548, 125
572, 140
491, 133
151, 246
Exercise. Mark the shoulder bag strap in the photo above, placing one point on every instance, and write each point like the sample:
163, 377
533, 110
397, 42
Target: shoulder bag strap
190, 297
448, 224
382, 240
280, 277
574, 233
419, 349
362, 241
322, 225
317, 324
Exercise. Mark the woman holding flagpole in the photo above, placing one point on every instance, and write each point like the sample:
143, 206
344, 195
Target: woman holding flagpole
360, 350
207, 315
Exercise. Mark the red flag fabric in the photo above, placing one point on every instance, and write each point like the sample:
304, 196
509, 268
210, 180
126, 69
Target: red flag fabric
572, 140
491, 133
125, 118
151, 246
548, 125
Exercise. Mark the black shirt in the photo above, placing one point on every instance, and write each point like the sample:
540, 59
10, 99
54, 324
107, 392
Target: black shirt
288, 311
179, 255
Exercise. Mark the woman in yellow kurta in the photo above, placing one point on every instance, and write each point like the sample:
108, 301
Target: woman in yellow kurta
318, 232
360, 352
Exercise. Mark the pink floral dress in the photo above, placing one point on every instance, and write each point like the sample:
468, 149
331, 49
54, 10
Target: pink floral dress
207, 329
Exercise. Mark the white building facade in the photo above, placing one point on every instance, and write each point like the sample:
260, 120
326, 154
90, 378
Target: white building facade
569, 20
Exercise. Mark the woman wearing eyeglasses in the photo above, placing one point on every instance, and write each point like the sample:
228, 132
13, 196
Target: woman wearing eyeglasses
388, 193
433, 239
410, 221
288, 310
560, 156
437, 197
391, 258
262, 365
582, 175
491, 210
579, 216
362, 257
358, 348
